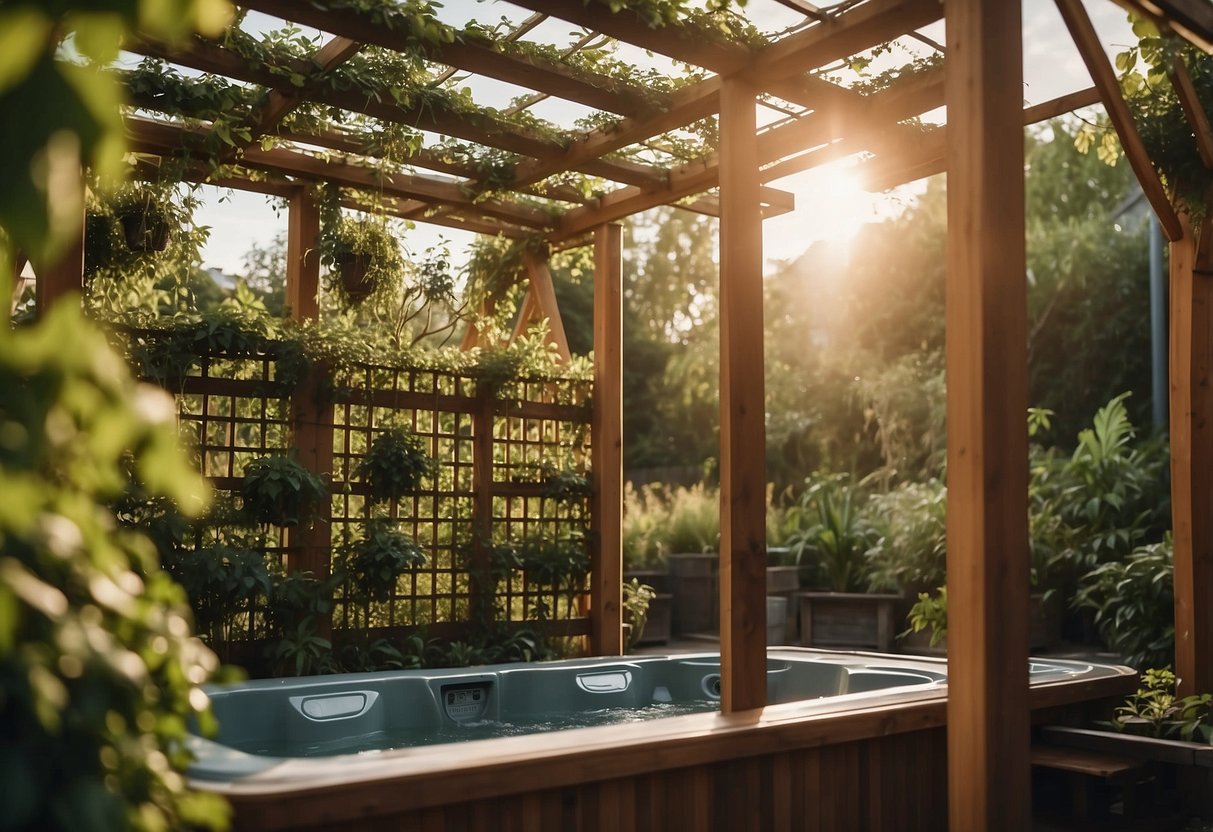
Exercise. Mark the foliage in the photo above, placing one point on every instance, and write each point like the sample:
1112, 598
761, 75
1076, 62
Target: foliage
1155, 711
911, 549
1108, 496
834, 533
395, 464
1134, 604
278, 490
98, 674
40, 206
1145, 80
555, 561
220, 581
379, 557
636, 599
930, 612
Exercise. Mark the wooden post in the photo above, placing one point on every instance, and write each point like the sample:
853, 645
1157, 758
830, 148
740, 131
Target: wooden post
542, 297
311, 410
743, 551
63, 277
303, 256
986, 318
1192, 459
606, 610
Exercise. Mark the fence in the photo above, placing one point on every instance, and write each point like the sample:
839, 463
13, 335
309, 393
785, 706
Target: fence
505, 454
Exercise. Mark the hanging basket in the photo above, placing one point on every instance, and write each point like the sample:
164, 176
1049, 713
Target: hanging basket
355, 274
145, 232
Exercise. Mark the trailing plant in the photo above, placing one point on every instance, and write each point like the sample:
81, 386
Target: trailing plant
1134, 604
636, 599
1156, 711
379, 557
99, 675
277, 490
395, 464
363, 258
834, 533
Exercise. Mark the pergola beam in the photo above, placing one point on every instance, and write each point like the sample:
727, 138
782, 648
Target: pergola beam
1087, 40
602, 92
988, 571
743, 552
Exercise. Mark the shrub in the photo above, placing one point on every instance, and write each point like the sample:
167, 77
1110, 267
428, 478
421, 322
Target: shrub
379, 557
1134, 604
911, 550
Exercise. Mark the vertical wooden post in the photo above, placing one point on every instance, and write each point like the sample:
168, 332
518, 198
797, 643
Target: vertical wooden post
606, 611
986, 318
66, 275
743, 551
303, 256
1191, 374
311, 411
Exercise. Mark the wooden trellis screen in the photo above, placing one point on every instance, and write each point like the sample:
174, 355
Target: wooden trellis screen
490, 445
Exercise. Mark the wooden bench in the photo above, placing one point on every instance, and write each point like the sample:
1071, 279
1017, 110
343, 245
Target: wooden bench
1084, 767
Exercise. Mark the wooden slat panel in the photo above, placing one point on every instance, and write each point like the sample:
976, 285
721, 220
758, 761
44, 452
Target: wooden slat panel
1191, 434
986, 324
1093, 55
607, 429
742, 409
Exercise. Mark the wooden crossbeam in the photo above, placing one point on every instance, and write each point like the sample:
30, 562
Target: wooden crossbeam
481, 128
928, 156
1194, 111
157, 138
1104, 76
279, 103
596, 90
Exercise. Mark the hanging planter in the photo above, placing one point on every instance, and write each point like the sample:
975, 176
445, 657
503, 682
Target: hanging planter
362, 256
145, 230
357, 279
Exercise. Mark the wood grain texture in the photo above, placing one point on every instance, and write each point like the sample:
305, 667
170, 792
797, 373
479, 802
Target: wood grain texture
742, 409
606, 614
303, 256
986, 353
1191, 434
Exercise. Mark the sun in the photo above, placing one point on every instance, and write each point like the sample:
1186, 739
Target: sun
830, 206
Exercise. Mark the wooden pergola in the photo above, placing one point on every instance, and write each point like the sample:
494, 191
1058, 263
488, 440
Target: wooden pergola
637, 160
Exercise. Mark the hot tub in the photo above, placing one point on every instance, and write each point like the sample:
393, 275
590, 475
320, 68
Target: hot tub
342, 720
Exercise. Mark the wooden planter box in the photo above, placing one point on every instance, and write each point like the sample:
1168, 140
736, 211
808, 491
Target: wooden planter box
660, 617
847, 619
693, 584
658, 579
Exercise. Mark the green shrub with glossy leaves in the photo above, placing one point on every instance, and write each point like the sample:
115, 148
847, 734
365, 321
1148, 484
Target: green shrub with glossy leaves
99, 675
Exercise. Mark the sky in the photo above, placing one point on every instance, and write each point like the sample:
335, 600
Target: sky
829, 204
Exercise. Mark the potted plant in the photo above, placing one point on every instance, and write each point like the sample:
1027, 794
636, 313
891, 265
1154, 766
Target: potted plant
692, 539
144, 213
833, 539
395, 464
277, 490
637, 598
379, 557
362, 256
